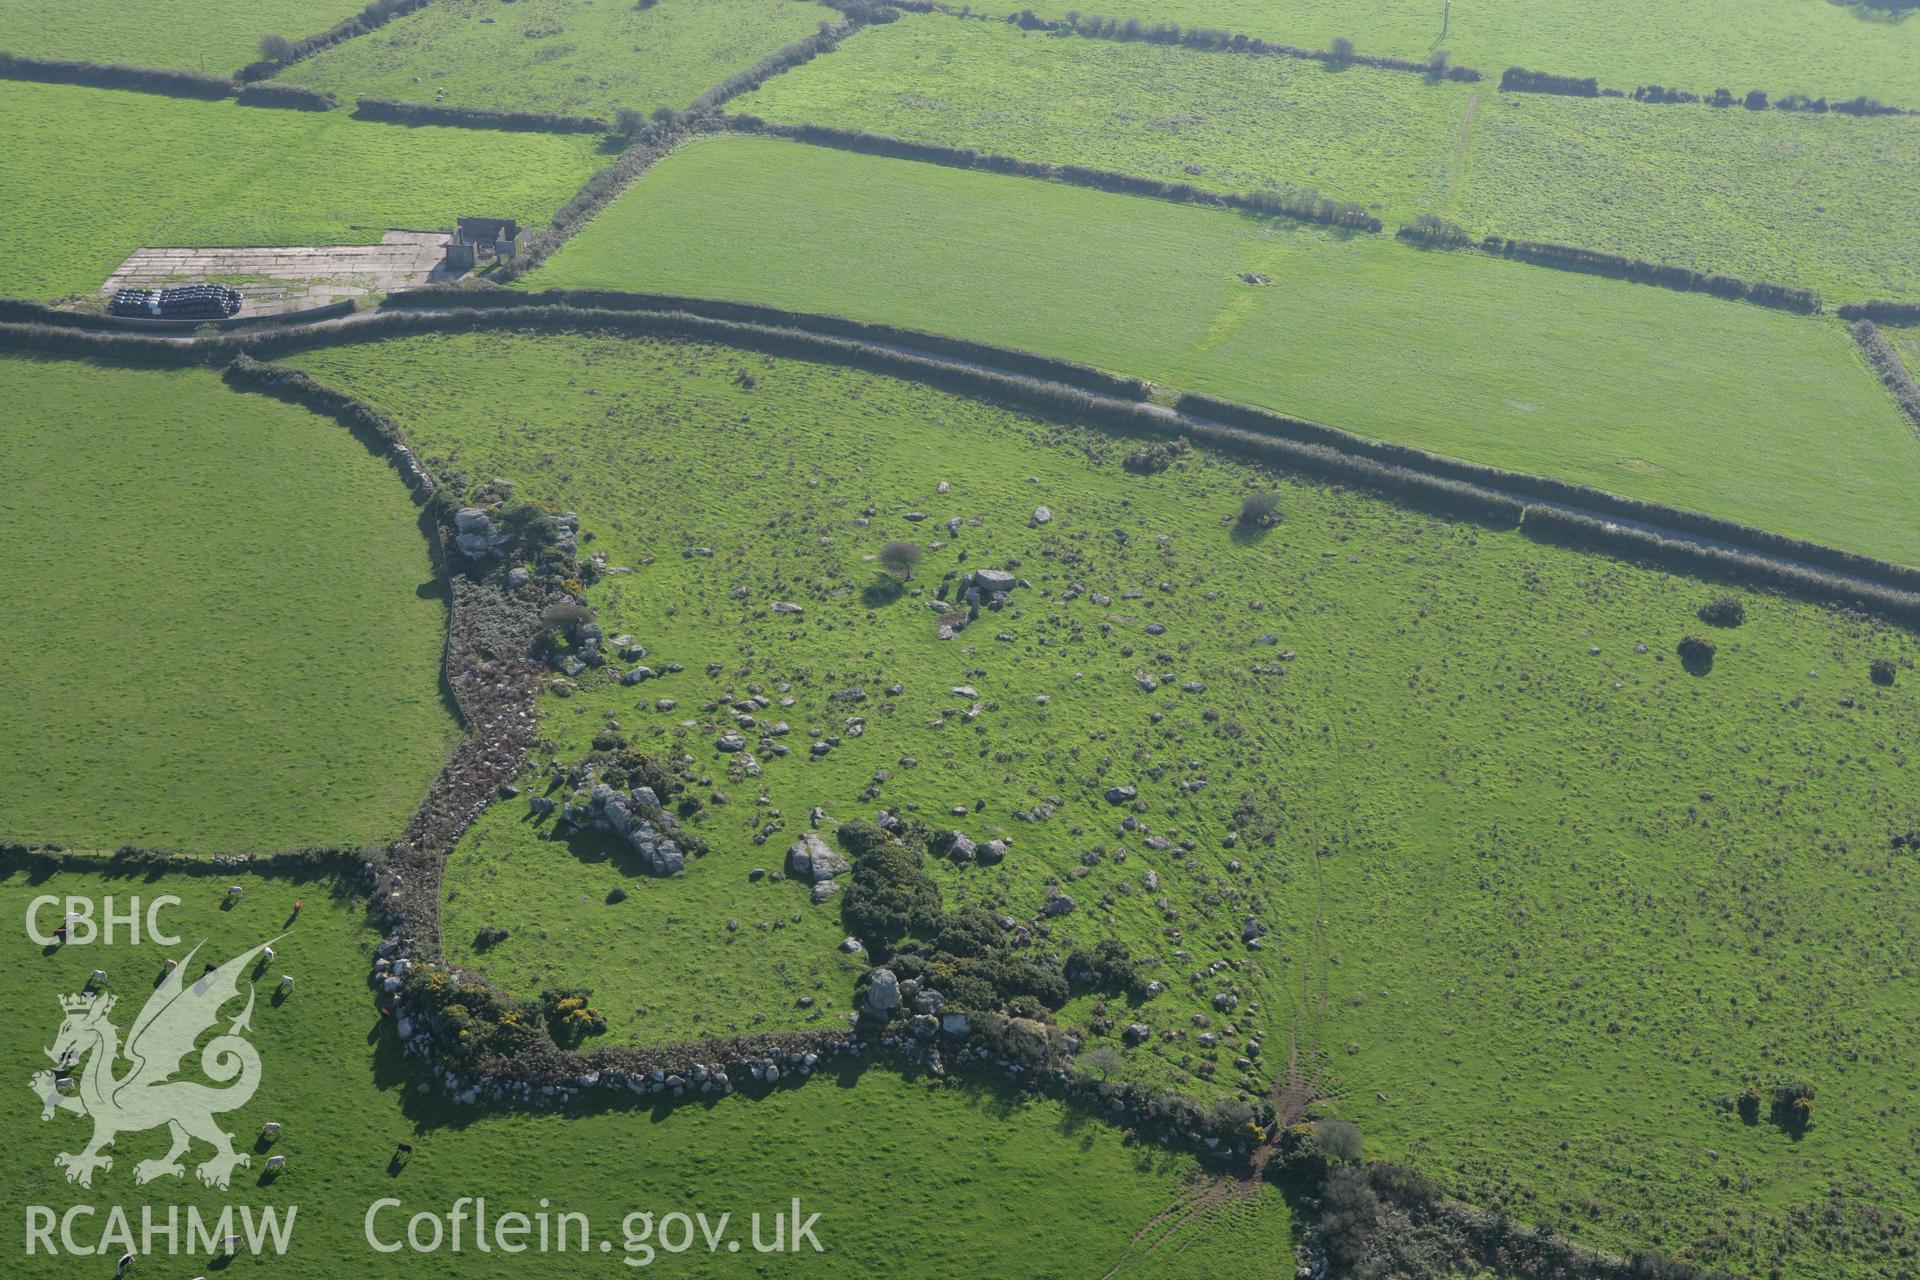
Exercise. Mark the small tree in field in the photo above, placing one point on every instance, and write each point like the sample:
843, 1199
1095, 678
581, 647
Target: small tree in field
901, 559
1102, 1058
1260, 510
1341, 48
1338, 1141
628, 121
1881, 670
276, 48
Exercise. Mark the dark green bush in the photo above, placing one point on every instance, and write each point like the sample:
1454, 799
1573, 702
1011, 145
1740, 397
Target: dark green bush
1725, 611
1696, 651
1260, 510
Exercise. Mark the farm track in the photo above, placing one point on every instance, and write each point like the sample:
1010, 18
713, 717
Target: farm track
1450, 198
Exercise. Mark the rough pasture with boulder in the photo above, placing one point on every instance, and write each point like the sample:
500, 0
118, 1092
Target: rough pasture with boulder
1258, 639
1146, 725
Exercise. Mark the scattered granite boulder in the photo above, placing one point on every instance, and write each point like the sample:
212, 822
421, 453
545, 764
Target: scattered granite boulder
475, 534
1122, 794
627, 816
991, 581
1058, 905
883, 991
992, 852
812, 859
824, 889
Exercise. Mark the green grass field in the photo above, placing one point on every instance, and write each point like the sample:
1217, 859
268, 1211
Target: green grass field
561, 55
1219, 120
1681, 398
1531, 908
1791, 197
943, 1182
1774, 195
1782, 46
94, 174
214, 36
216, 636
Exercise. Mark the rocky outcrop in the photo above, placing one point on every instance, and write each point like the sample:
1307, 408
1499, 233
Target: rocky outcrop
883, 992
476, 536
812, 859
631, 817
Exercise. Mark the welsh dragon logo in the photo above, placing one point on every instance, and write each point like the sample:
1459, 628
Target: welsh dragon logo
147, 1096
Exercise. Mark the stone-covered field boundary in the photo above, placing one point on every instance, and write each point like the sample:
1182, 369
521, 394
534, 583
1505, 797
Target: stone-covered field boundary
493, 677
1689, 542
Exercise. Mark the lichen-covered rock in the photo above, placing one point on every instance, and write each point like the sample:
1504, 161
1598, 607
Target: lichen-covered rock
476, 535
994, 580
883, 991
812, 859
628, 818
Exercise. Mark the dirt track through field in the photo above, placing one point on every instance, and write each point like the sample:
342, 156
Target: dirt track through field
1459, 160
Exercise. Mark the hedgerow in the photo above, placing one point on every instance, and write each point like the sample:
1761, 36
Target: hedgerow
1409, 475
1892, 370
1431, 230
1521, 80
1598, 262
1427, 228
117, 75
1102, 28
1572, 529
785, 58
392, 111
1548, 489
1019, 361
378, 432
1305, 204
298, 97
377, 14
1880, 311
